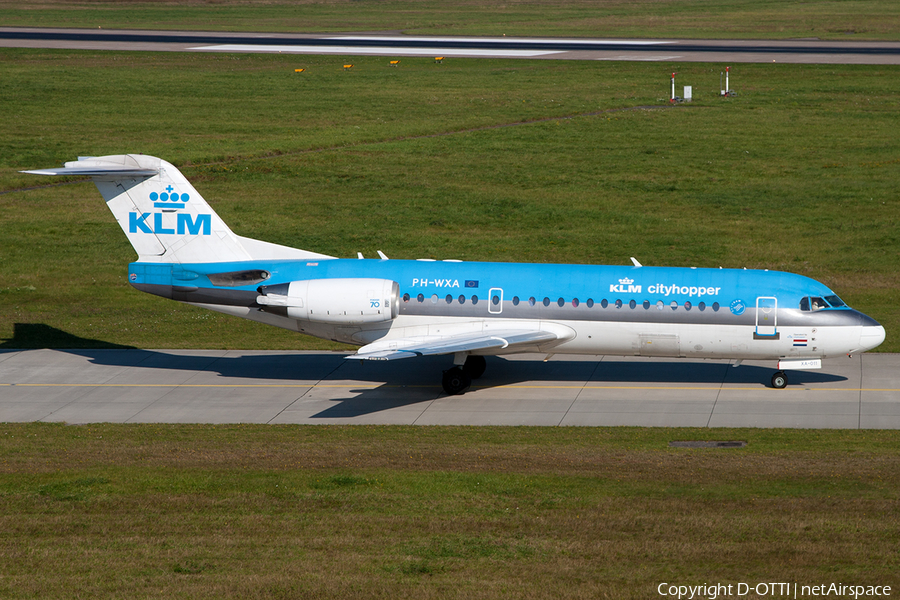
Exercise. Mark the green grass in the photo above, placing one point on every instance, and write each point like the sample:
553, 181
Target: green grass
755, 19
158, 511
508, 160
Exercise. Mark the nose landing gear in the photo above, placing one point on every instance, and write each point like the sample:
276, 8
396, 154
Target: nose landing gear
779, 380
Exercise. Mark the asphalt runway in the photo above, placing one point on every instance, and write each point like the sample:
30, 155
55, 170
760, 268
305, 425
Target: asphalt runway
219, 386
732, 51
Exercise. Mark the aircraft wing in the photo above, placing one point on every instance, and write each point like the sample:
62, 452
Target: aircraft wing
431, 345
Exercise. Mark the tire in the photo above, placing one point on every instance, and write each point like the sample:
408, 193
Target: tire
475, 366
779, 380
455, 381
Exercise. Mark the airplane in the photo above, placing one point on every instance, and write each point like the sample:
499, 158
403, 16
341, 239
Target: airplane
397, 309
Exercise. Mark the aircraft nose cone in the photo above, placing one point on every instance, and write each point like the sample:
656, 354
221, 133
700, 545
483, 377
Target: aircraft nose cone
871, 337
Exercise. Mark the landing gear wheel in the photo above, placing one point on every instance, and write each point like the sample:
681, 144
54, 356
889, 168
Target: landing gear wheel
475, 366
456, 381
779, 380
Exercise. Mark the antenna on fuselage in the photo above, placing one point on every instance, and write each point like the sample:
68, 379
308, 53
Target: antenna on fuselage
636, 263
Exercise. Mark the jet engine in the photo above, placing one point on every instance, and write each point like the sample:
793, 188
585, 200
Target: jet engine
333, 301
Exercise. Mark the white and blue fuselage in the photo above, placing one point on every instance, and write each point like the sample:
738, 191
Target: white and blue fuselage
398, 309
619, 310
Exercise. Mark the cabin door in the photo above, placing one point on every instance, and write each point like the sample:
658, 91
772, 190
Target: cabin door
766, 316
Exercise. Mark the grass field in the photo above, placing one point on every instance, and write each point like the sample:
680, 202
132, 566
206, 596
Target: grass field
823, 19
118, 511
472, 159
510, 160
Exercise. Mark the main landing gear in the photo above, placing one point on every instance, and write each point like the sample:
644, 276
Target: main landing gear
458, 379
779, 380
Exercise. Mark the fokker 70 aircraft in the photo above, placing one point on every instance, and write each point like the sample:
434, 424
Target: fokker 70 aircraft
398, 309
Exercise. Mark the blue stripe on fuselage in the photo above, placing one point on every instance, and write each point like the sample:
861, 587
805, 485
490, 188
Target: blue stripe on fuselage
524, 280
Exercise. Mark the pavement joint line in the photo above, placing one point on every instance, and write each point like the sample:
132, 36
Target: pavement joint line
712, 410
578, 395
303, 395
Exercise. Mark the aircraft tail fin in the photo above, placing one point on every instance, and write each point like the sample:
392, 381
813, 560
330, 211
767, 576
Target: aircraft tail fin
163, 216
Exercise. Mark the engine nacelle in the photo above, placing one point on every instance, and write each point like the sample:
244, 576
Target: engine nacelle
334, 301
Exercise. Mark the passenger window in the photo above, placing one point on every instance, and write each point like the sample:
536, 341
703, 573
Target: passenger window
462, 299
632, 304
434, 299
561, 302
406, 297
474, 299
420, 298
546, 301
604, 303
590, 303
646, 305
575, 302
715, 307
687, 305
532, 301
660, 305
702, 306
618, 304
495, 300
449, 299
674, 305
515, 300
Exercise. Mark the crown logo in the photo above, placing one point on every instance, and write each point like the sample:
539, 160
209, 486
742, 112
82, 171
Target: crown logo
626, 281
169, 199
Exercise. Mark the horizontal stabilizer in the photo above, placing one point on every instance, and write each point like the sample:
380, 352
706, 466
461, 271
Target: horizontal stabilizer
99, 171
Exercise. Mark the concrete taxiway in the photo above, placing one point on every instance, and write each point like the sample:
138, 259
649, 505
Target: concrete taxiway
218, 386
734, 51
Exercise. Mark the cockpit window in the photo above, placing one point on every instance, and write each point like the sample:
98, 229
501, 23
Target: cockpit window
834, 301
814, 303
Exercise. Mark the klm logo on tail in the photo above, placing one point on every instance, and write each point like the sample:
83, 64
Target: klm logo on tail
161, 223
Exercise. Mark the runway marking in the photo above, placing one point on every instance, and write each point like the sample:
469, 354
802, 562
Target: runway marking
486, 387
505, 40
640, 58
392, 50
